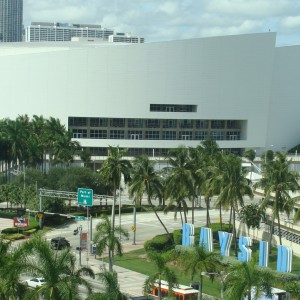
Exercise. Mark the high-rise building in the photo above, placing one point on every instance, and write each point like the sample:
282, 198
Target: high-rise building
61, 32
125, 38
11, 20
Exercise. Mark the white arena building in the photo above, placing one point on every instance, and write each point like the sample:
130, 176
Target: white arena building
241, 90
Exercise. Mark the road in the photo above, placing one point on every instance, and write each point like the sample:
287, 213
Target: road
147, 226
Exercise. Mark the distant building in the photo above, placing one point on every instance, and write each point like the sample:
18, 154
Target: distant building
11, 20
125, 38
62, 32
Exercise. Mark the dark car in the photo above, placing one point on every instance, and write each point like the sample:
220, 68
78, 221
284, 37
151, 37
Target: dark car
59, 243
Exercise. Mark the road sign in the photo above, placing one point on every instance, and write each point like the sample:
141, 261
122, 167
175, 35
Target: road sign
79, 218
85, 197
40, 215
20, 222
133, 228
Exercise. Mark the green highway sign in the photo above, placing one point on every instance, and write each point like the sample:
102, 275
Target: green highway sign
85, 197
79, 218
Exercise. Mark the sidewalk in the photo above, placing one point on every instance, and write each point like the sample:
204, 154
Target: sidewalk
131, 283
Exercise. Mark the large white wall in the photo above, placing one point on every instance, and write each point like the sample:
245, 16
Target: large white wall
284, 119
226, 77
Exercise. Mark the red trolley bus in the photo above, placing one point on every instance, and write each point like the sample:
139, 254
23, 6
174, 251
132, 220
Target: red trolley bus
180, 292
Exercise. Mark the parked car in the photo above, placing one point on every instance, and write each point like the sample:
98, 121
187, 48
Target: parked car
59, 243
35, 282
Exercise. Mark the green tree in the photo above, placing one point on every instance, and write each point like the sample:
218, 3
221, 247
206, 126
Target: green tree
160, 261
111, 288
211, 159
145, 180
54, 131
251, 215
106, 238
179, 181
64, 149
249, 154
277, 182
197, 261
58, 268
294, 289
12, 264
246, 276
17, 135
113, 168
235, 186
85, 155
36, 142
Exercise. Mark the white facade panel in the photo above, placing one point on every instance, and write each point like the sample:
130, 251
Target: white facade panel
240, 78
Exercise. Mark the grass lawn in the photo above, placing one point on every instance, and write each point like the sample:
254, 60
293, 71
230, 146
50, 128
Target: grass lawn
136, 261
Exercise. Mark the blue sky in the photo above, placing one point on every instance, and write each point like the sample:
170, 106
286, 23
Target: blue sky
164, 20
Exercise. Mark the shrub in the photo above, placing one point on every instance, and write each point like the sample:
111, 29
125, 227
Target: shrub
159, 243
16, 236
177, 236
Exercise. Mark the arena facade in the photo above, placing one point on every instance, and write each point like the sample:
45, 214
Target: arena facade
241, 91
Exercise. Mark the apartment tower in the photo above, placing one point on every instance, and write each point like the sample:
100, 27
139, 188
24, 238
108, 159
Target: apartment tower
11, 19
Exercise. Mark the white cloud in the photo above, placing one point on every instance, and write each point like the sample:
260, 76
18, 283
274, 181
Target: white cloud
291, 22
173, 19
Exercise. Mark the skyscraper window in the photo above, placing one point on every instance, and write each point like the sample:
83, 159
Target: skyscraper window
11, 20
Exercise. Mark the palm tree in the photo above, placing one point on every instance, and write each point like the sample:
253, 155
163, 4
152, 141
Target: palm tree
111, 288
64, 148
234, 187
62, 278
277, 182
106, 238
85, 155
198, 261
246, 277
37, 140
17, 136
180, 181
112, 170
54, 131
163, 272
145, 180
210, 157
12, 264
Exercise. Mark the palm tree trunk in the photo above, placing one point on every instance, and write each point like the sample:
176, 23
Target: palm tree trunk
279, 228
111, 251
271, 234
207, 212
159, 288
234, 231
161, 222
193, 209
200, 287
220, 213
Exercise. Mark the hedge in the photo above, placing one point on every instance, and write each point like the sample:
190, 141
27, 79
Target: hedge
159, 243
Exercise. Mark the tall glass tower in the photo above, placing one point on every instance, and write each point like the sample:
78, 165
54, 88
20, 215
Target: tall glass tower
11, 20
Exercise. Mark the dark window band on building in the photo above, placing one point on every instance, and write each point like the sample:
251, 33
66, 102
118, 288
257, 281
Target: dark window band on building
156, 129
173, 108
